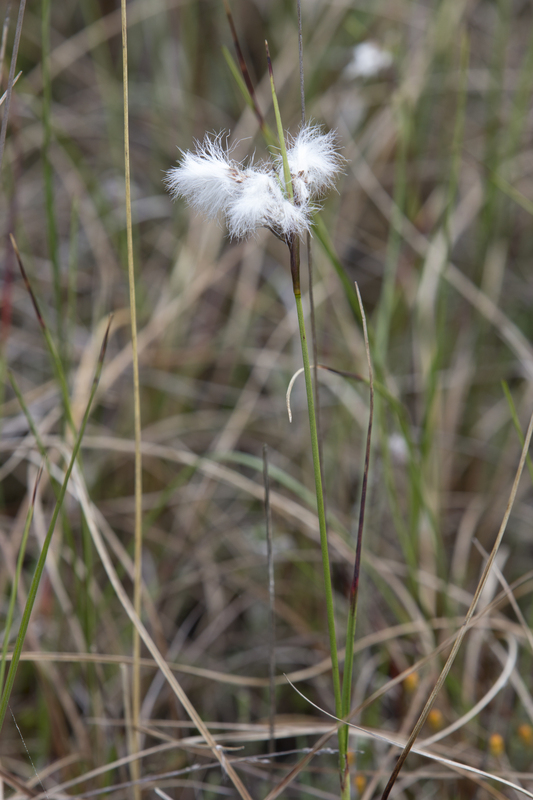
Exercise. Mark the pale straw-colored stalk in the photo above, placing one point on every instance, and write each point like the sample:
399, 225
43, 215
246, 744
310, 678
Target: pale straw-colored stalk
136, 678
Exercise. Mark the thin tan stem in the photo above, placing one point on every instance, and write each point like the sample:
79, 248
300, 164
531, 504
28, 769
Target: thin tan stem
136, 681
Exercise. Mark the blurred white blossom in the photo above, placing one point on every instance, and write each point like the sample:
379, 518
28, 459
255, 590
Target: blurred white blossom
399, 449
368, 59
256, 196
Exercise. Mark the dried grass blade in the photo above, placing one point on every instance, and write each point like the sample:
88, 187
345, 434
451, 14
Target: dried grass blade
149, 642
469, 615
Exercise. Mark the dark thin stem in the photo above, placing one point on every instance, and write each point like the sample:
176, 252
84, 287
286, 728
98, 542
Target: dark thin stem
271, 595
48, 175
313, 325
243, 67
27, 284
354, 588
294, 250
56, 361
343, 373
301, 60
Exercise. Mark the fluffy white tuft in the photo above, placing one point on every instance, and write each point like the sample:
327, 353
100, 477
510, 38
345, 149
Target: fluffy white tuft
207, 178
251, 198
260, 203
292, 220
314, 162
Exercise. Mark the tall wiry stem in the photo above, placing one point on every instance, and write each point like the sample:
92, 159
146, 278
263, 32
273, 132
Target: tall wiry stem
294, 250
137, 578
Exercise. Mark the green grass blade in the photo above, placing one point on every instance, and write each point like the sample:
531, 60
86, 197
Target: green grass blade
281, 135
322, 234
237, 77
16, 579
32, 594
516, 423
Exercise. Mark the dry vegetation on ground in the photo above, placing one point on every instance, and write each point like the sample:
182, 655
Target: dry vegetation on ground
433, 219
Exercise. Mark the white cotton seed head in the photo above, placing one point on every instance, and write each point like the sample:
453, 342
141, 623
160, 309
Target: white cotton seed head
314, 161
260, 203
210, 181
249, 208
292, 220
207, 179
302, 195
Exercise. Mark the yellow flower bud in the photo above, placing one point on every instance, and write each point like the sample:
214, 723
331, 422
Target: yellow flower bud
525, 732
411, 682
496, 744
435, 719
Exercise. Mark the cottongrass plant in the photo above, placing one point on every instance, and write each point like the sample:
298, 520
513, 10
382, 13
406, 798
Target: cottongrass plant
281, 194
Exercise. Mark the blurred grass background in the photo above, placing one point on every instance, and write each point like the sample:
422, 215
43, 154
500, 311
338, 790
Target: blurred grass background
433, 220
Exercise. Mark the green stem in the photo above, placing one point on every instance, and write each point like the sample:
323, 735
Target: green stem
283, 148
15, 584
294, 249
